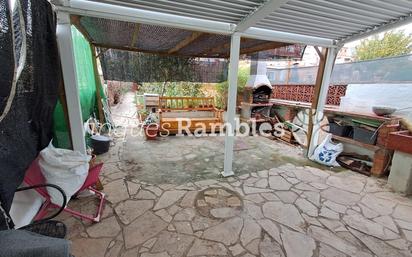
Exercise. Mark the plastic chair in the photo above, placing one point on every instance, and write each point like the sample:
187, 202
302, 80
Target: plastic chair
34, 177
47, 226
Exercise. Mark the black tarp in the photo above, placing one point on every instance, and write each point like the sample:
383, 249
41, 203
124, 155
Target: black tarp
28, 125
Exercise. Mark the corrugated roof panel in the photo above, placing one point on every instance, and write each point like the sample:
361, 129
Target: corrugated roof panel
316, 10
334, 19
319, 22
367, 8
232, 11
299, 24
227, 6
188, 13
342, 9
327, 19
291, 15
303, 31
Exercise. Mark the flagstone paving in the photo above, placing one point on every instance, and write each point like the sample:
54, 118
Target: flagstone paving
165, 199
318, 215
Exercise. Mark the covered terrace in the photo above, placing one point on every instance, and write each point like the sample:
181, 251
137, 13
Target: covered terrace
192, 28
288, 209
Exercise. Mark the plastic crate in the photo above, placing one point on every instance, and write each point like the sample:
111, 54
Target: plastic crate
338, 130
364, 135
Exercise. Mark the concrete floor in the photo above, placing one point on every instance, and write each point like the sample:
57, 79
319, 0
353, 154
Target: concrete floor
165, 198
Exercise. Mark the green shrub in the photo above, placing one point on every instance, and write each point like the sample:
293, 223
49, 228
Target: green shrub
222, 88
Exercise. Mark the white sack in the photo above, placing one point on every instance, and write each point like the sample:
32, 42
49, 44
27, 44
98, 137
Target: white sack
327, 152
65, 168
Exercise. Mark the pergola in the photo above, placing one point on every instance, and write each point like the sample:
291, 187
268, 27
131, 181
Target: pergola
323, 23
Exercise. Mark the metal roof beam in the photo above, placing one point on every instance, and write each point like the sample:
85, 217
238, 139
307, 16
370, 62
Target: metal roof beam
286, 37
259, 14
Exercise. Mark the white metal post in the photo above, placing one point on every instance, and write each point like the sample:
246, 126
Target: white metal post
231, 106
65, 44
317, 118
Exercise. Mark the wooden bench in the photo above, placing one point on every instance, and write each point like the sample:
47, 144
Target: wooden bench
199, 111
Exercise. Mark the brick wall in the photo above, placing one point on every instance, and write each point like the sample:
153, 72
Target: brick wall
304, 93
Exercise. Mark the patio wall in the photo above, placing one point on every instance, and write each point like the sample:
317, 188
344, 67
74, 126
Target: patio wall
304, 93
394, 95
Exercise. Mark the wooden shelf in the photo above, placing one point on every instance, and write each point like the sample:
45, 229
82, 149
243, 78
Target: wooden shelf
252, 120
361, 115
330, 109
357, 143
257, 104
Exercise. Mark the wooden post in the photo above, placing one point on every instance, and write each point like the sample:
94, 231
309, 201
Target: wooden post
98, 84
327, 60
316, 91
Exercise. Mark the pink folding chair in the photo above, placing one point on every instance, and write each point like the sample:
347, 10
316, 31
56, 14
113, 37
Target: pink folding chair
34, 177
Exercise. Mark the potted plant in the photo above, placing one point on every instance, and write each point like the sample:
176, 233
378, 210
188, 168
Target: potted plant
151, 127
143, 113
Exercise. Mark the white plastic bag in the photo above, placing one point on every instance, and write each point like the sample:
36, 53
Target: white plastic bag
65, 168
327, 152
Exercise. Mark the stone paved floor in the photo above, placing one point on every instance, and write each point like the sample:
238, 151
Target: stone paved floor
179, 160
281, 208
284, 211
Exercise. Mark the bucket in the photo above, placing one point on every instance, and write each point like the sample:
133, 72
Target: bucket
100, 144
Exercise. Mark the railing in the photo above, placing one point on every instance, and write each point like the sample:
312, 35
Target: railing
186, 103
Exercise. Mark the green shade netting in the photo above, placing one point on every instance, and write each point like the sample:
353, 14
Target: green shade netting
87, 90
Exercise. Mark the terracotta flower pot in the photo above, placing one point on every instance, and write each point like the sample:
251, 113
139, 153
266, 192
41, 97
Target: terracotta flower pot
151, 131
